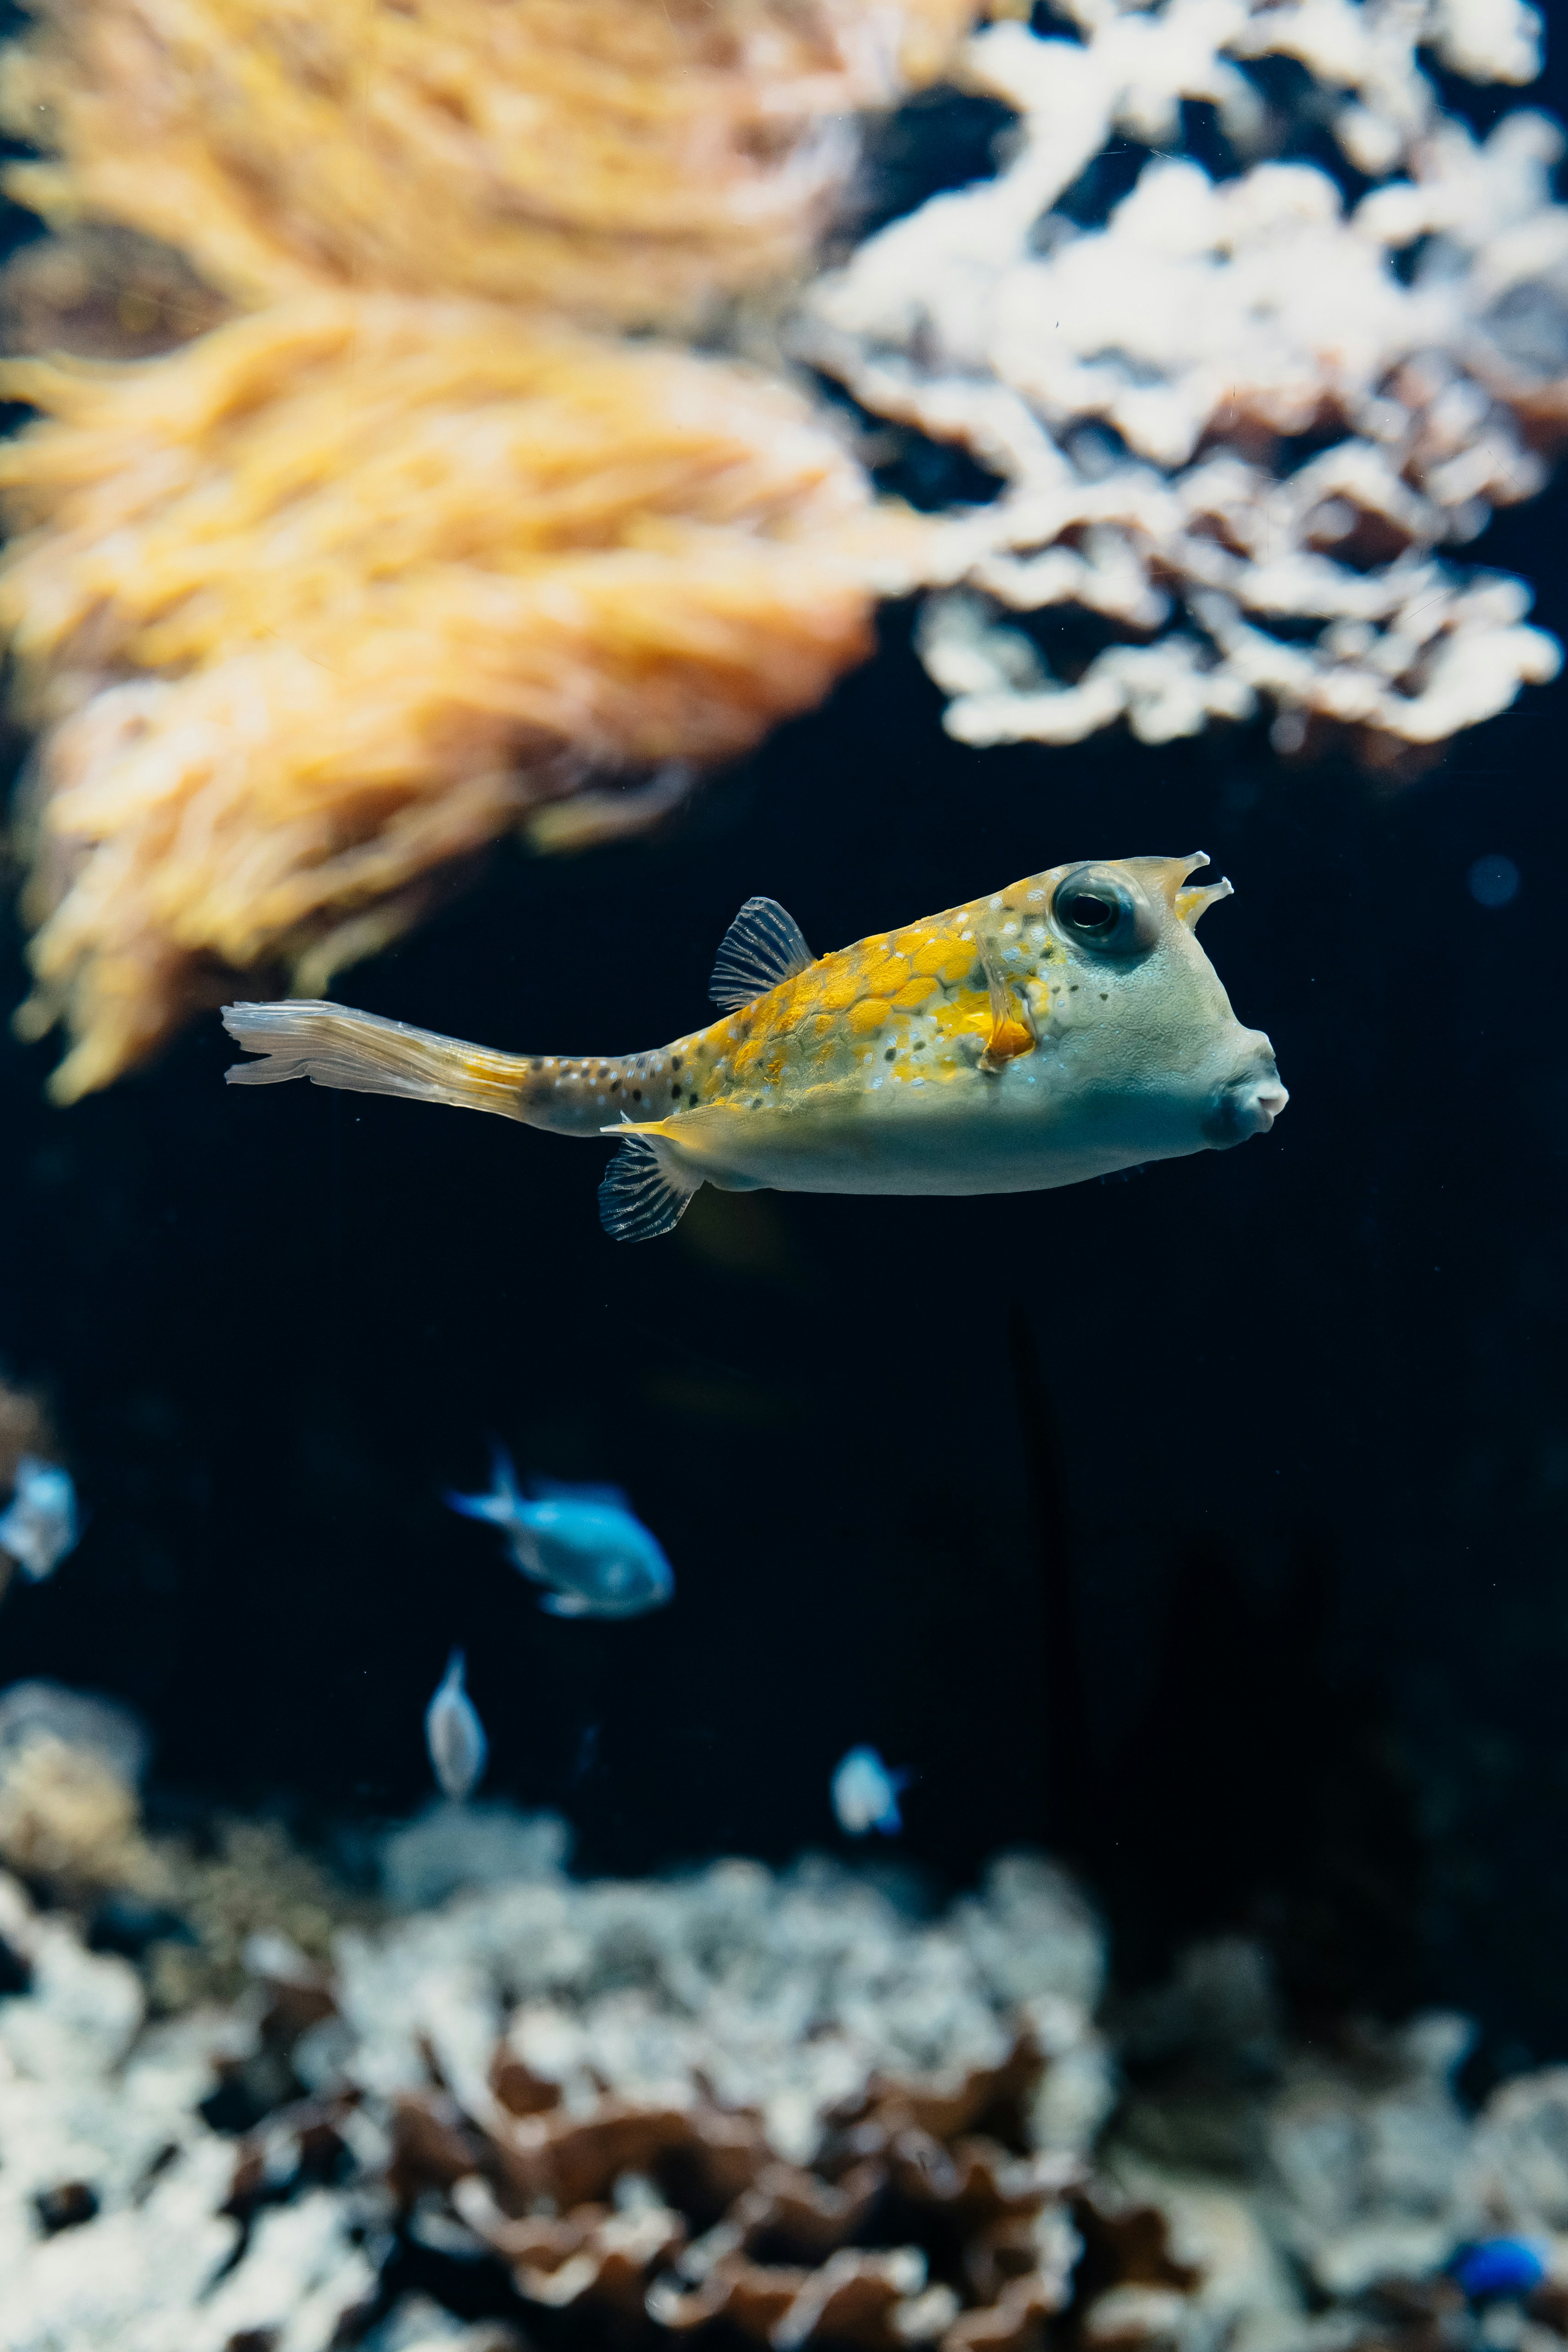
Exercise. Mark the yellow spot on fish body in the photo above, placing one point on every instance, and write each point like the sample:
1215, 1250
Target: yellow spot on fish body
915, 994
866, 1016
886, 978
839, 989
929, 954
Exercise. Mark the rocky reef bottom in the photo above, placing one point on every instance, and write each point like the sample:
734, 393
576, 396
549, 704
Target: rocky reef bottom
501, 2108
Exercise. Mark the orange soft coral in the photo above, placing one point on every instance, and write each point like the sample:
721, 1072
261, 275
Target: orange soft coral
623, 159
332, 596
335, 593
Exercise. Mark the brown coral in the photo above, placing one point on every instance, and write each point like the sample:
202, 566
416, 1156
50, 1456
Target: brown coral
933, 2233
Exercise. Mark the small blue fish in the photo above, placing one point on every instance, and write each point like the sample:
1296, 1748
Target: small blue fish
42, 1522
1498, 2270
865, 1794
454, 1735
584, 1542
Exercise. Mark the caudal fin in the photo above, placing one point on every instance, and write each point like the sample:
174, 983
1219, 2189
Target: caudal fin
333, 1045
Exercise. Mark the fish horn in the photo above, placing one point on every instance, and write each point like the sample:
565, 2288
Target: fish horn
1192, 905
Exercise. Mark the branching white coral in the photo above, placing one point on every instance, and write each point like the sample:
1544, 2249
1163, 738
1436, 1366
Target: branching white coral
788, 1992
1143, 388
783, 1995
498, 2078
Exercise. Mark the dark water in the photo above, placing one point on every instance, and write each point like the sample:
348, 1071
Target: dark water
1210, 1524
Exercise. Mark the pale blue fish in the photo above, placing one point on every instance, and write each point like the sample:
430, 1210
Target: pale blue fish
42, 1524
865, 1794
584, 1542
454, 1735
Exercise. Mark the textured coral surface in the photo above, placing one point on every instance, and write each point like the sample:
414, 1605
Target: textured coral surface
615, 160
1237, 417
316, 605
330, 597
736, 2107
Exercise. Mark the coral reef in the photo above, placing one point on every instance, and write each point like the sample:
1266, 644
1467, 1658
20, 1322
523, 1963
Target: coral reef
197, 1911
315, 605
352, 540
1235, 421
68, 1818
774, 2108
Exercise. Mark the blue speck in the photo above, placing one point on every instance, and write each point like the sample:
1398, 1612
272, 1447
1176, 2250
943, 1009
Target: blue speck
1498, 2270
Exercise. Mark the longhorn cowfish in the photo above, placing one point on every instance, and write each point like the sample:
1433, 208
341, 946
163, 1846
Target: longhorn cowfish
1066, 1027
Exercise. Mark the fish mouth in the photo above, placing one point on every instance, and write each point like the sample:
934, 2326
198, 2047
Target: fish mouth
1248, 1105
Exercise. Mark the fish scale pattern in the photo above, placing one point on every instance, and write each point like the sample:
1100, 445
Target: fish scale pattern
916, 997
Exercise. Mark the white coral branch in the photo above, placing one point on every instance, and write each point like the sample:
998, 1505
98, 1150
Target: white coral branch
1137, 387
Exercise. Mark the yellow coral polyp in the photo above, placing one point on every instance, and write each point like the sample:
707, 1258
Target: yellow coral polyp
622, 160
334, 594
386, 571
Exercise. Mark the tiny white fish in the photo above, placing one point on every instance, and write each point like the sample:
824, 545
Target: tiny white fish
454, 1735
865, 1794
584, 1542
42, 1524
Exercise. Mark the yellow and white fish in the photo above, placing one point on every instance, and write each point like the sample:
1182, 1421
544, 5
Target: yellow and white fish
1068, 1026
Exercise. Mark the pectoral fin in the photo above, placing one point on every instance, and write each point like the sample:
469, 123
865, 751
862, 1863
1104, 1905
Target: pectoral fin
643, 1195
526, 1553
1010, 1035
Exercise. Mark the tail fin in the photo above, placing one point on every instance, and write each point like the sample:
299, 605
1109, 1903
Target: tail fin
502, 1507
336, 1046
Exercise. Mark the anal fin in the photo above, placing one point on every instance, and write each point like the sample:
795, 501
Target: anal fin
641, 1197
762, 946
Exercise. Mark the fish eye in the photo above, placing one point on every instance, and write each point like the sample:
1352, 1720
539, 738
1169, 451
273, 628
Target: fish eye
1091, 911
1098, 909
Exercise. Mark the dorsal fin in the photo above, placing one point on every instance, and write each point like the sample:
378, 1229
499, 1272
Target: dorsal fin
763, 946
